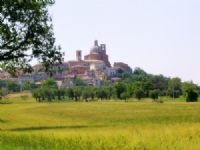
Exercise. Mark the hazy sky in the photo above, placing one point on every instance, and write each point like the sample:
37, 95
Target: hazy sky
160, 36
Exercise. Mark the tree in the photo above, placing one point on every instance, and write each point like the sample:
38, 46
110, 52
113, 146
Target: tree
120, 88
86, 94
77, 93
26, 85
139, 94
13, 86
110, 92
70, 93
190, 91
192, 96
154, 94
60, 93
125, 95
3, 83
139, 71
48, 91
79, 82
100, 94
36, 93
50, 83
160, 83
3, 92
26, 33
174, 87
103, 93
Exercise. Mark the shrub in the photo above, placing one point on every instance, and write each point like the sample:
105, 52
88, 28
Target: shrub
190, 91
192, 96
125, 96
154, 94
139, 94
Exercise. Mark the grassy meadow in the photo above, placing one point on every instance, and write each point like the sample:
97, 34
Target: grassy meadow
106, 125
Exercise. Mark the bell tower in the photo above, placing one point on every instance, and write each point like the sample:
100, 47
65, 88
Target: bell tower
78, 55
103, 47
96, 43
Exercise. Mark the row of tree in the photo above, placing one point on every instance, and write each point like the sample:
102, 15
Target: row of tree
138, 84
121, 90
9, 86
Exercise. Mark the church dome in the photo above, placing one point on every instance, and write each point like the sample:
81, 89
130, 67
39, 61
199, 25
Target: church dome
94, 49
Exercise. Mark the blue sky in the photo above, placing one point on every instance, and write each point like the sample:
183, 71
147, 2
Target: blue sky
160, 36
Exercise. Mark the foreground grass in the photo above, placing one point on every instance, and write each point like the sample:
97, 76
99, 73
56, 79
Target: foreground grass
25, 124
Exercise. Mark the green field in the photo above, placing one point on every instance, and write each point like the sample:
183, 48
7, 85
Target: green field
107, 125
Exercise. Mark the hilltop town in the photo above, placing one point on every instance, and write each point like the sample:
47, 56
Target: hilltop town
94, 69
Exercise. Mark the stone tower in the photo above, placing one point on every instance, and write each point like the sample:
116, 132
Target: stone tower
78, 55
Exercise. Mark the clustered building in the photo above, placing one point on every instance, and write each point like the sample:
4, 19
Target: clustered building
93, 69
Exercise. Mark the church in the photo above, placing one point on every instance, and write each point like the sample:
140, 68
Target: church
92, 69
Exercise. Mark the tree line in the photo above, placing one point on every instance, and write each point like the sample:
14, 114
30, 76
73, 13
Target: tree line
138, 84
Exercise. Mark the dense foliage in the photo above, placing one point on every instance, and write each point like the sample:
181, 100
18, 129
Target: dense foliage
190, 91
138, 84
26, 33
